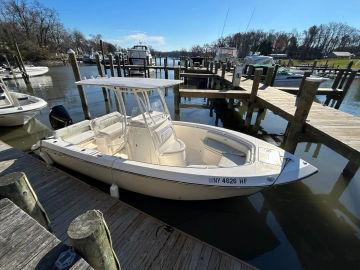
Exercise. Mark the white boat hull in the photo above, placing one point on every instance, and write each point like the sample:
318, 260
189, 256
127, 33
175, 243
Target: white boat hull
20, 115
192, 182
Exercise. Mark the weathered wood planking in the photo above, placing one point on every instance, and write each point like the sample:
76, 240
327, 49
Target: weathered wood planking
25, 244
140, 241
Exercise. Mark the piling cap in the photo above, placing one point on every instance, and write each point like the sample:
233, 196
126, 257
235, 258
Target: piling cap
314, 79
85, 225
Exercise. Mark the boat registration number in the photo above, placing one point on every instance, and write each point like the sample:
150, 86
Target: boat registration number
227, 180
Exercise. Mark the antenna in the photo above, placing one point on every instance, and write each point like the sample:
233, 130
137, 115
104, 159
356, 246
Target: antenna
227, 13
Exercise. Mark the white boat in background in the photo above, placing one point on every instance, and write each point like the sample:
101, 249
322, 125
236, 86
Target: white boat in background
285, 76
16, 108
32, 71
138, 54
149, 154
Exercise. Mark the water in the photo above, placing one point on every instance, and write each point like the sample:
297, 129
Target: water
311, 224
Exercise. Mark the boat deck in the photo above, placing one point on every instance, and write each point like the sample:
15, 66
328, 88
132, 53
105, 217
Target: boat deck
139, 240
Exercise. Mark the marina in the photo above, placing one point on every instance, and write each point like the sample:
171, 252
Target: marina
211, 142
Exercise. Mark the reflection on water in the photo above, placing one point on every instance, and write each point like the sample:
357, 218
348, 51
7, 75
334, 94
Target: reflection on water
311, 224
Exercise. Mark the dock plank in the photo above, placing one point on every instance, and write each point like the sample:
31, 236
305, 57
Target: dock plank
139, 240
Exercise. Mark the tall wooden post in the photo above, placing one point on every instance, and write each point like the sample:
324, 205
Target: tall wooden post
176, 88
296, 125
111, 61
348, 69
274, 75
212, 67
21, 65
186, 64
145, 67
148, 63
118, 64
269, 75
216, 68
250, 71
103, 55
123, 66
90, 236
337, 79
346, 88
76, 71
17, 188
253, 94
313, 66
165, 67
98, 64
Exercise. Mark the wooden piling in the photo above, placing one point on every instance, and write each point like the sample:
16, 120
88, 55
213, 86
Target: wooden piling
269, 75
313, 66
252, 98
250, 71
216, 67
347, 71
186, 64
98, 64
103, 55
274, 75
90, 236
165, 68
123, 67
346, 88
111, 61
76, 71
296, 126
212, 67
118, 64
177, 91
337, 79
16, 187
148, 69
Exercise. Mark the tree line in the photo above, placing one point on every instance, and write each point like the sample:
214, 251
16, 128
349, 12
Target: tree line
315, 42
39, 32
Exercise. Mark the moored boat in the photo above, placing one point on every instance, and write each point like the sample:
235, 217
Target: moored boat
16, 108
146, 152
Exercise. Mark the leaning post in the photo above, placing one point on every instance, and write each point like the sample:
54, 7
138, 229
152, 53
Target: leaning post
347, 71
103, 55
269, 75
76, 71
296, 126
111, 61
98, 64
90, 237
274, 75
253, 94
346, 89
118, 64
17, 188
177, 91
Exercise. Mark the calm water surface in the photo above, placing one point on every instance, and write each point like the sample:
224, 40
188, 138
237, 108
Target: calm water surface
311, 224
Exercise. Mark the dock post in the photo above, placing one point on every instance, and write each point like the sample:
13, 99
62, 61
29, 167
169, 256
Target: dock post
350, 169
252, 99
90, 236
111, 61
274, 75
250, 71
348, 69
17, 188
76, 71
216, 67
98, 64
269, 76
313, 66
176, 88
346, 89
334, 85
165, 68
103, 55
123, 66
147, 68
186, 64
212, 67
118, 64
308, 92
223, 70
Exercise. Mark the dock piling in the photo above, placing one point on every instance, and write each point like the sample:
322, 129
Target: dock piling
252, 98
269, 75
103, 55
17, 188
345, 89
177, 92
98, 64
118, 64
111, 61
90, 236
274, 75
295, 127
76, 71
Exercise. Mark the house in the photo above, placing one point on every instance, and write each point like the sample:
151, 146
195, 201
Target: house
341, 55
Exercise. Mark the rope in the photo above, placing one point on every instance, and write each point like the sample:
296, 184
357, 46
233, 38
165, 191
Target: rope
101, 216
38, 202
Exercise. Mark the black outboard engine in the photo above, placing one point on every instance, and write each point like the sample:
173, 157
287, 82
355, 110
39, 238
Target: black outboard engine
59, 117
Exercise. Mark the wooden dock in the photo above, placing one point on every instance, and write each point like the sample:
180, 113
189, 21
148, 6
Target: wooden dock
338, 130
140, 241
25, 244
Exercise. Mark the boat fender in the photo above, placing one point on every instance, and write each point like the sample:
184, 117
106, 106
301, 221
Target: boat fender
114, 191
46, 158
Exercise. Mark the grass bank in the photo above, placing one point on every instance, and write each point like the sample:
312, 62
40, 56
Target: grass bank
331, 61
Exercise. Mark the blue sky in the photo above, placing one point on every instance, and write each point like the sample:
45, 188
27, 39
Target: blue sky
168, 25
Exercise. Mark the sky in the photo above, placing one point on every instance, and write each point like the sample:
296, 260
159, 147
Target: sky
172, 25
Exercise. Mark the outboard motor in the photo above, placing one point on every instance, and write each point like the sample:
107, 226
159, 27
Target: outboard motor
59, 117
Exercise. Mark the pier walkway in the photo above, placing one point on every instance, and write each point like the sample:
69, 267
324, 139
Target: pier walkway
338, 130
140, 241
